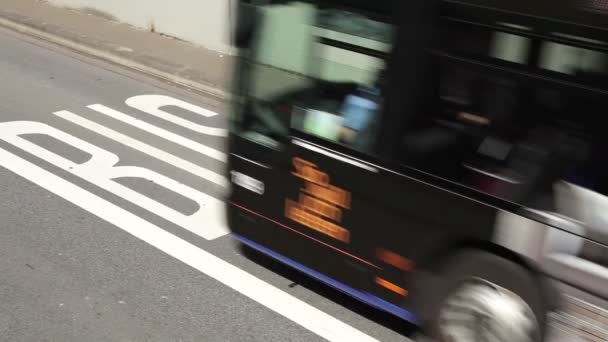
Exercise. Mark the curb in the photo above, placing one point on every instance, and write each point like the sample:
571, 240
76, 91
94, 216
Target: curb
87, 50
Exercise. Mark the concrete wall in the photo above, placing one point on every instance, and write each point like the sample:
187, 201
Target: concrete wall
203, 22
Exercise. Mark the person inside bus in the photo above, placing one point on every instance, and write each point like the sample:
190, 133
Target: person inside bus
359, 110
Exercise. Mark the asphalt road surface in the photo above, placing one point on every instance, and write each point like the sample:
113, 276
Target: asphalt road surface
111, 222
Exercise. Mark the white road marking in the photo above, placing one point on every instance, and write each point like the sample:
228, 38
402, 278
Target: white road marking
151, 104
145, 148
208, 221
275, 299
161, 132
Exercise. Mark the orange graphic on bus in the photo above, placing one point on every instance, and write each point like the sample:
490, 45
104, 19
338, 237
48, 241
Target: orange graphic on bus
300, 214
319, 202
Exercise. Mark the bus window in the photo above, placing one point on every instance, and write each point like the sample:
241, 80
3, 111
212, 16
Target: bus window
504, 136
570, 59
510, 47
580, 112
495, 133
468, 128
319, 71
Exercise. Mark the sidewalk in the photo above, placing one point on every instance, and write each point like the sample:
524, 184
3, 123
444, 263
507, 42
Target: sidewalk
88, 33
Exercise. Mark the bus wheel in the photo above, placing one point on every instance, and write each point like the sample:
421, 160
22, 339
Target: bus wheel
484, 297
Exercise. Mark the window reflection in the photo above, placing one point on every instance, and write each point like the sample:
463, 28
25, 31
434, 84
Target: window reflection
317, 71
505, 135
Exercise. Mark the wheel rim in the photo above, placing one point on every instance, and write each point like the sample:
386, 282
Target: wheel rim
482, 311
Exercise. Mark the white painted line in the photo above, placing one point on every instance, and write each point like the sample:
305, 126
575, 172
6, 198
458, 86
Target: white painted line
163, 133
334, 155
152, 105
145, 148
275, 299
102, 169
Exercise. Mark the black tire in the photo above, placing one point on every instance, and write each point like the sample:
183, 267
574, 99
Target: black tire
472, 264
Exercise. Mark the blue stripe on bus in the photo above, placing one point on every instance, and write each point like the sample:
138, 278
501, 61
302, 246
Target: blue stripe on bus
364, 297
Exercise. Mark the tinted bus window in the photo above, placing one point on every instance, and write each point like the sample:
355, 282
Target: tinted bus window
316, 70
507, 119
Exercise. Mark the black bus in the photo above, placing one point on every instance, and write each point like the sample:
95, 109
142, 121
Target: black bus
442, 160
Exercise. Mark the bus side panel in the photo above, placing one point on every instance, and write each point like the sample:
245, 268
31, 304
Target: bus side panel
395, 221
261, 218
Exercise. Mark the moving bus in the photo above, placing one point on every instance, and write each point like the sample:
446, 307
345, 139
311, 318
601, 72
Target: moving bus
444, 161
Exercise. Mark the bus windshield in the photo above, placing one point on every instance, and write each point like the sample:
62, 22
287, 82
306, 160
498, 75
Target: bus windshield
317, 69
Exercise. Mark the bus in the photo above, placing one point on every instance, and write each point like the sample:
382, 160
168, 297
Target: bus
441, 160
